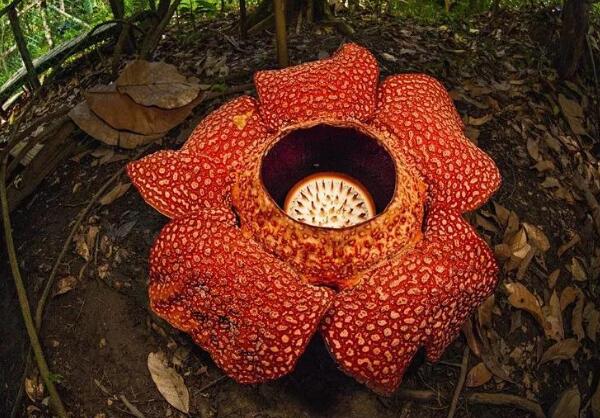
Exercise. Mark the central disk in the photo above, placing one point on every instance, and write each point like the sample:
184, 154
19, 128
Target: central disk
330, 200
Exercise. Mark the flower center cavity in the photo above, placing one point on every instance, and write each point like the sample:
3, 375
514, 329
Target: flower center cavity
329, 176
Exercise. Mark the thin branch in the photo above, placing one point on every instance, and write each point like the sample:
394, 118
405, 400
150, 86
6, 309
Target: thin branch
460, 383
55, 401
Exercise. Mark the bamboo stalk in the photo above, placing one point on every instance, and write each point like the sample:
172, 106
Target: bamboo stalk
22, 46
55, 401
280, 35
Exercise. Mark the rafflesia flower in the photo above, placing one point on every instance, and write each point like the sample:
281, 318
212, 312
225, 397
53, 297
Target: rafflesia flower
331, 203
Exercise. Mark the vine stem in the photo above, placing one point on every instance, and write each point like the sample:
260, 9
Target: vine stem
55, 401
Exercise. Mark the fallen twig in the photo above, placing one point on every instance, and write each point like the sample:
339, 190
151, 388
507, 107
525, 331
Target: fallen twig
418, 395
503, 399
460, 383
55, 401
211, 384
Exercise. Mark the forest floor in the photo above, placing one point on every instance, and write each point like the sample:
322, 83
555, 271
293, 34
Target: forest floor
536, 337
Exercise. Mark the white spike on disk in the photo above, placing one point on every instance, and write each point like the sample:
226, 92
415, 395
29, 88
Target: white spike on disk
329, 199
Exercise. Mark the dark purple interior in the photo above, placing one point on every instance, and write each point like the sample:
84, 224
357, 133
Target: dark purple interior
329, 148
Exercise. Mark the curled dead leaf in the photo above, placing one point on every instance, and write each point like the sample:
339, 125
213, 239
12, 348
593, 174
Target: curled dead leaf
562, 350
568, 245
537, 237
553, 278
573, 112
567, 405
95, 127
122, 113
157, 84
567, 296
577, 318
553, 326
577, 270
169, 383
521, 298
115, 193
595, 402
65, 284
478, 375
592, 319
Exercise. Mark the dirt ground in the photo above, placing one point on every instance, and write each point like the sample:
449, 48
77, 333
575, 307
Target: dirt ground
98, 334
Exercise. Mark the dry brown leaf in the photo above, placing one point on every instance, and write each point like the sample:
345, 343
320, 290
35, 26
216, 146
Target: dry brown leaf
595, 402
553, 278
100, 130
170, 384
562, 350
479, 121
478, 375
472, 340
553, 326
577, 270
592, 319
568, 245
116, 192
577, 318
521, 298
485, 311
512, 226
568, 296
502, 251
485, 224
157, 84
122, 113
81, 247
502, 214
524, 264
34, 387
567, 405
533, 149
544, 165
65, 284
537, 237
573, 112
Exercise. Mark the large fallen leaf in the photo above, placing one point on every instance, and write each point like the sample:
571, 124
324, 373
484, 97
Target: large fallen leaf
521, 298
170, 384
156, 84
100, 130
562, 350
122, 113
115, 193
478, 375
567, 405
573, 112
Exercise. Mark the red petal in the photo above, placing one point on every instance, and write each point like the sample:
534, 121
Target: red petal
342, 87
179, 183
419, 299
419, 112
230, 134
247, 308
